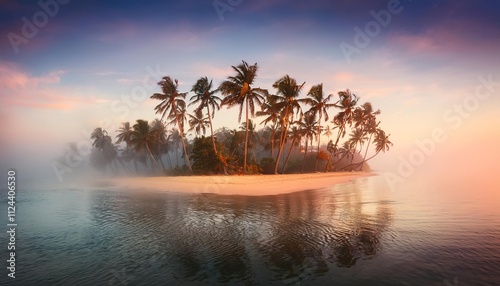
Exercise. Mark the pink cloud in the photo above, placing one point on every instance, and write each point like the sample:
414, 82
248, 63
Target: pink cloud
18, 88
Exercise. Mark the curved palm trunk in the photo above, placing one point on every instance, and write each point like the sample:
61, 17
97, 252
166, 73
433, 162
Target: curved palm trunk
366, 151
246, 138
284, 130
124, 165
288, 156
186, 156
362, 162
152, 157
211, 129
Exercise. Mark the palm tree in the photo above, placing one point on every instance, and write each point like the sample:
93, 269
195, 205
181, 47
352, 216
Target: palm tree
160, 138
199, 124
273, 116
143, 138
308, 128
296, 135
253, 137
319, 107
173, 105
286, 101
238, 90
366, 118
175, 137
347, 101
125, 135
205, 96
382, 144
103, 143
357, 137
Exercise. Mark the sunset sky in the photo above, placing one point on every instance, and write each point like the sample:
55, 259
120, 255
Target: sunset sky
417, 64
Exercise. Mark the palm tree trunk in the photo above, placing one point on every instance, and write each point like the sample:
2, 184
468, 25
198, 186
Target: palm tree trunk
356, 164
124, 165
162, 165
152, 157
284, 130
211, 129
246, 139
288, 156
186, 156
366, 151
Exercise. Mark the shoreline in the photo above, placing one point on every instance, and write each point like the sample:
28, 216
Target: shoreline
248, 185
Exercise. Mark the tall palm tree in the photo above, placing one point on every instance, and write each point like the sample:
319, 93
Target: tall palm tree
289, 105
160, 136
319, 107
142, 139
273, 115
238, 90
357, 137
205, 96
175, 137
308, 127
347, 102
365, 117
382, 144
125, 135
103, 143
173, 106
253, 137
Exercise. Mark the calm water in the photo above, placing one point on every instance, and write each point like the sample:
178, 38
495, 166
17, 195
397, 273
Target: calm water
359, 233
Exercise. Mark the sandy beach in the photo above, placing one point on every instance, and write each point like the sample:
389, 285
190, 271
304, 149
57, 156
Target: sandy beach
252, 185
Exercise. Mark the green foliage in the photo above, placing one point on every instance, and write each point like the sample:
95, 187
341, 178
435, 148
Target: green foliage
205, 161
267, 165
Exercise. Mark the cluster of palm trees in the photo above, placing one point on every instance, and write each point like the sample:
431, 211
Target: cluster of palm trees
289, 118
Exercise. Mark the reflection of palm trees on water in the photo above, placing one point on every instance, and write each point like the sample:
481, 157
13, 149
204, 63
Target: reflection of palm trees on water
231, 239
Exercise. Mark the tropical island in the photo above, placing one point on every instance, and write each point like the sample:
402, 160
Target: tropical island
290, 141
